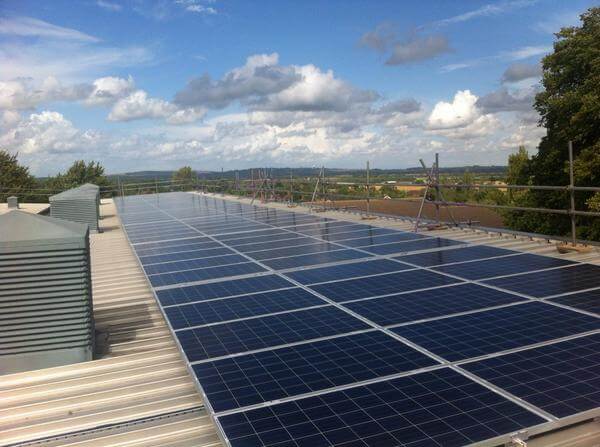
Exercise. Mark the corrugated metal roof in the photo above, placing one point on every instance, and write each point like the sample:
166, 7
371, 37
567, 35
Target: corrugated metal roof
138, 393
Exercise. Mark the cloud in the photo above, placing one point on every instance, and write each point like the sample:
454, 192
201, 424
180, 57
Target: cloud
461, 119
197, 6
402, 106
418, 49
46, 132
512, 55
519, 72
262, 84
503, 100
110, 6
260, 76
109, 89
527, 52
488, 10
139, 106
380, 38
460, 112
25, 93
30, 27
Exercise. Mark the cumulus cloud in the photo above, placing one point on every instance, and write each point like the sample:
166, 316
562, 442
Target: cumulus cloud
518, 72
260, 76
139, 106
46, 132
263, 84
503, 100
25, 93
461, 118
109, 89
30, 27
196, 6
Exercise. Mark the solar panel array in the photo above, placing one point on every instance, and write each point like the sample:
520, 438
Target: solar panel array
302, 330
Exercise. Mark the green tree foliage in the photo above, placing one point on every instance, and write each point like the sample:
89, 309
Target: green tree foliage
14, 178
78, 174
184, 174
569, 107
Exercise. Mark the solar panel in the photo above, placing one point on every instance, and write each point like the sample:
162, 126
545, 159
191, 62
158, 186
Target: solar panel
430, 303
561, 378
487, 332
408, 246
291, 371
323, 257
343, 271
203, 292
293, 251
191, 264
438, 408
553, 282
354, 289
502, 266
245, 306
268, 352
588, 301
258, 333
457, 255
221, 271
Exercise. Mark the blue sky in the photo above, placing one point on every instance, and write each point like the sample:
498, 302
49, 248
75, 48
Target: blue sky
156, 84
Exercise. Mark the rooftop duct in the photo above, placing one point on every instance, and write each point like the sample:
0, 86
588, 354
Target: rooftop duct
45, 293
81, 204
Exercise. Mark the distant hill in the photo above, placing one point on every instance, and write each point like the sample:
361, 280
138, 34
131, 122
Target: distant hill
306, 172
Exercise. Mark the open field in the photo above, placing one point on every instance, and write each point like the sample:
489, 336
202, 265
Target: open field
410, 208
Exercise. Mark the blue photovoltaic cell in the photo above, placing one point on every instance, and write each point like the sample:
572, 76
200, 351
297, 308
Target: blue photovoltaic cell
244, 241
145, 253
245, 306
163, 236
385, 239
181, 256
314, 259
562, 378
502, 266
270, 234
221, 271
269, 375
330, 228
356, 234
405, 247
257, 333
191, 264
457, 255
276, 244
174, 243
486, 332
552, 282
343, 271
588, 301
353, 289
436, 408
203, 292
431, 303
292, 251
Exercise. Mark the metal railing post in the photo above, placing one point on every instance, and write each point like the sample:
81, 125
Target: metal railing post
572, 194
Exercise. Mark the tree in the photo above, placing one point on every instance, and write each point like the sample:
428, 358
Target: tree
78, 174
14, 178
569, 107
184, 176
